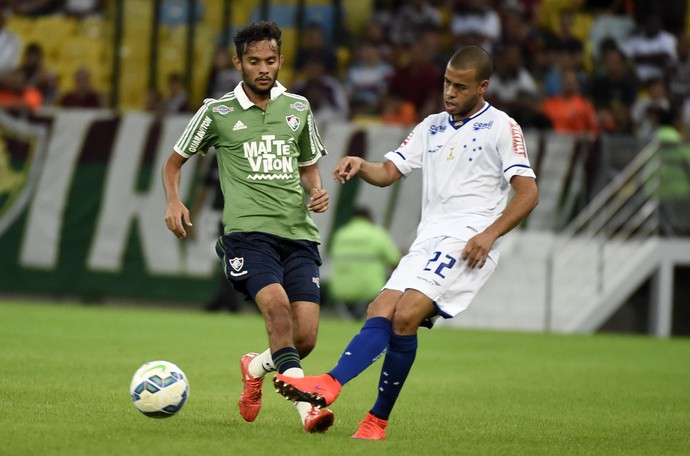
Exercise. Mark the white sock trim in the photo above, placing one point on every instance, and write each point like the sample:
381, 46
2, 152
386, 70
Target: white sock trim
262, 364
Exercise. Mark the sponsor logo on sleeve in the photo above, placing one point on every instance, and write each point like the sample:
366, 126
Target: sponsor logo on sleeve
299, 106
518, 139
407, 140
223, 110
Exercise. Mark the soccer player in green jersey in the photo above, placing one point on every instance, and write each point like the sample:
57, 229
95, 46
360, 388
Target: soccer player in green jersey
267, 147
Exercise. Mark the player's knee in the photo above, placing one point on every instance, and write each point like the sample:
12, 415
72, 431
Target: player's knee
305, 346
405, 323
278, 317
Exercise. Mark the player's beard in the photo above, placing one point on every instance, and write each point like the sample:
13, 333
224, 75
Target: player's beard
462, 111
258, 90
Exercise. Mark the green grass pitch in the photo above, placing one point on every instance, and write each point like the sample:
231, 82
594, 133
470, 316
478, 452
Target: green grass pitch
65, 371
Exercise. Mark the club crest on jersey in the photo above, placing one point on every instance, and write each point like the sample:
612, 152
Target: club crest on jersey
299, 106
222, 109
293, 122
236, 264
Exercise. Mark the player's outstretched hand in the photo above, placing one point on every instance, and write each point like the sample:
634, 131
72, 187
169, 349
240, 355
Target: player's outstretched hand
318, 200
176, 217
346, 168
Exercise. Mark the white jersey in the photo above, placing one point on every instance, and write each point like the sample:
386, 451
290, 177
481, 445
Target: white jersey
467, 166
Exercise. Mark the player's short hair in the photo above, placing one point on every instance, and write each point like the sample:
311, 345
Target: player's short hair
253, 33
469, 57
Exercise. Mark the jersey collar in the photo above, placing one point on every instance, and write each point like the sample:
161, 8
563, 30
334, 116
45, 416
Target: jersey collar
277, 90
457, 124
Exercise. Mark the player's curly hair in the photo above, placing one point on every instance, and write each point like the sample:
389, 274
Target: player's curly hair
475, 57
258, 31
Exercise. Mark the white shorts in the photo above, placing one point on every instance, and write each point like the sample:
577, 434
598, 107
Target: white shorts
435, 268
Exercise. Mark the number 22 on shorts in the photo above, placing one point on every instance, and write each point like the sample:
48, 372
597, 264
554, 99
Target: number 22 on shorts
436, 259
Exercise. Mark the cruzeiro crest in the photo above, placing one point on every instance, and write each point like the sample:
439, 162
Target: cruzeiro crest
22, 150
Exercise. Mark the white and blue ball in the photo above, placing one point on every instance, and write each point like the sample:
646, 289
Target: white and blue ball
159, 389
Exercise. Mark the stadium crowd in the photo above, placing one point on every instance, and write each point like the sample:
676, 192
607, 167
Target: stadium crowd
573, 66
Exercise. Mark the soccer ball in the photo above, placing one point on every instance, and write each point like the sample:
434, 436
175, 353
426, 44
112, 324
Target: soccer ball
159, 389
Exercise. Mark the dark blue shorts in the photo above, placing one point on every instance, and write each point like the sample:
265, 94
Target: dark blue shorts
252, 261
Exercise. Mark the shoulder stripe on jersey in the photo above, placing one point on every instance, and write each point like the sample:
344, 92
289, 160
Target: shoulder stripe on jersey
518, 166
316, 144
191, 126
294, 95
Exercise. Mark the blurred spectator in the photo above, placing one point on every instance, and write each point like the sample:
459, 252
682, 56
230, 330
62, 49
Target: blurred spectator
431, 39
679, 77
411, 18
397, 110
569, 111
315, 46
10, 46
516, 28
375, 34
17, 96
673, 13
613, 92
155, 102
652, 50
612, 21
564, 59
645, 111
35, 8
224, 76
83, 95
418, 80
177, 99
475, 22
366, 79
83, 8
326, 94
37, 75
513, 89
383, 13
566, 51
673, 176
362, 255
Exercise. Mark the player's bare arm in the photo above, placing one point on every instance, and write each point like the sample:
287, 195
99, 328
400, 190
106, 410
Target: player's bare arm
311, 181
524, 200
381, 174
176, 213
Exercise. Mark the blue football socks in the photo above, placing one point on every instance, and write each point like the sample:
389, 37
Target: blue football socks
396, 365
365, 348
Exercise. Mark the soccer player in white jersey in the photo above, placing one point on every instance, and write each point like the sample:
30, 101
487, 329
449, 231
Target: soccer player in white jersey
267, 147
471, 156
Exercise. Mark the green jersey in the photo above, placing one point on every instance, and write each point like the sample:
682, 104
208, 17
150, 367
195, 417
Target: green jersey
258, 154
361, 255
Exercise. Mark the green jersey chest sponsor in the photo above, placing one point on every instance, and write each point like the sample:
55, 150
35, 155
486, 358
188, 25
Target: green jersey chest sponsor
270, 155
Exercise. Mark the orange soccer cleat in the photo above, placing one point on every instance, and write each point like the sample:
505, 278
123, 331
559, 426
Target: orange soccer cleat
319, 390
318, 420
371, 428
250, 399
